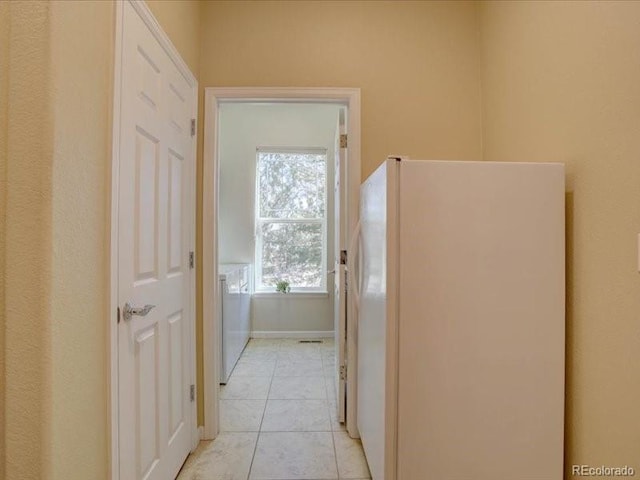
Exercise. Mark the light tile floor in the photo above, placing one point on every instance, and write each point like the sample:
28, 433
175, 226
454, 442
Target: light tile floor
278, 419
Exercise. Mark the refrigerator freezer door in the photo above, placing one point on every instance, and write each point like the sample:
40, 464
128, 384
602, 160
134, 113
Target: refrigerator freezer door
372, 319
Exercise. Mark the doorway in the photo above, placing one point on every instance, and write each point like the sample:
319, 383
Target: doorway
215, 98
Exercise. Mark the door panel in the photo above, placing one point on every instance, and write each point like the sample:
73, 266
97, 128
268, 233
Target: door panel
146, 206
176, 377
147, 371
175, 214
148, 78
155, 159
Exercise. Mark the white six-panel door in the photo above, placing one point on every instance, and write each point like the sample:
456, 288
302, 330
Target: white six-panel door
154, 223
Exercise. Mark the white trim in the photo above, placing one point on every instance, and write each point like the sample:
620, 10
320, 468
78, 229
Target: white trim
319, 220
350, 97
210, 327
354, 172
293, 294
147, 17
195, 434
200, 432
289, 149
291, 334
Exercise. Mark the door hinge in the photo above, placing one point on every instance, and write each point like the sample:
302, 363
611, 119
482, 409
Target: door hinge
343, 140
343, 372
191, 260
193, 127
192, 393
118, 310
343, 257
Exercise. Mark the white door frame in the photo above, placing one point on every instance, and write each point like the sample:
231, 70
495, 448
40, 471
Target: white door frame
349, 97
150, 21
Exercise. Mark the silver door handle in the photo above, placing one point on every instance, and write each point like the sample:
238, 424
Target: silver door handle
130, 311
331, 271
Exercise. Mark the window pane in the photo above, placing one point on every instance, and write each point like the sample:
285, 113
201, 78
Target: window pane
292, 252
291, 185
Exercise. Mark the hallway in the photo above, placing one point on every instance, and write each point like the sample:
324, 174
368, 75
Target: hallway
278, 420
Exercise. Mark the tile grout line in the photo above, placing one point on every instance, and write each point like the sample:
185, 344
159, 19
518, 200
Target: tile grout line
333, 438
255, 448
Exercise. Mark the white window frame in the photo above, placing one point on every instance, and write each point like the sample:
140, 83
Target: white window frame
259, 221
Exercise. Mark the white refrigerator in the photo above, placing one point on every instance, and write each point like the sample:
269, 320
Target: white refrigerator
461, 307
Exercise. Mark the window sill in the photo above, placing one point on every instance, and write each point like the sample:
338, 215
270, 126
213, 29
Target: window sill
293, 294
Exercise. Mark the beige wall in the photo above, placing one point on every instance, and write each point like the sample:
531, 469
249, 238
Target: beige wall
417, 64
561, 83
4, 97
54, 215
82, 77
60, 69
28, 244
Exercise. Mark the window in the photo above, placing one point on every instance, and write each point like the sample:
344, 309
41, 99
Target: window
291, 224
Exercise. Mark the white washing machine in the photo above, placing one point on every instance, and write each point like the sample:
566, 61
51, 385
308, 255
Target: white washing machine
235, 314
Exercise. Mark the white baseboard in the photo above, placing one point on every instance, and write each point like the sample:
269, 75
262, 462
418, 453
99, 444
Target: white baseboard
291, 334
201, 432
